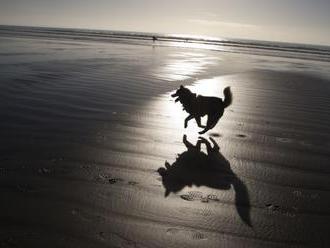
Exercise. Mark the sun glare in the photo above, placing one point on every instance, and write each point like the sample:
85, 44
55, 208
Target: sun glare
184, 65
173, 111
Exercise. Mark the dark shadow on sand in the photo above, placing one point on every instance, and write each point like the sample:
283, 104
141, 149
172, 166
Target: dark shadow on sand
211, 169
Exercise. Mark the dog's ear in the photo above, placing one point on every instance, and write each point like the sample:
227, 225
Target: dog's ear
162, 171
167, 165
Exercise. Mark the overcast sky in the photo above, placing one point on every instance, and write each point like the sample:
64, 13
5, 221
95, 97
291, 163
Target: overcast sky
302, 21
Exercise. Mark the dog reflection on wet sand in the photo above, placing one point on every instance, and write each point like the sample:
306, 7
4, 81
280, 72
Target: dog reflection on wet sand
211, 169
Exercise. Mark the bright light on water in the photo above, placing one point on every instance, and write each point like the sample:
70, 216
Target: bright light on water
184, 65
174, 113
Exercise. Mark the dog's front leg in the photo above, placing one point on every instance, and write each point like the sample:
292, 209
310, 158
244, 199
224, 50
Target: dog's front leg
187, 143
186, 120
199, 122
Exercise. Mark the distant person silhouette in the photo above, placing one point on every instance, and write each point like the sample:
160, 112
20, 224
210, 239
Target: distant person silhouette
194, 167
154, 38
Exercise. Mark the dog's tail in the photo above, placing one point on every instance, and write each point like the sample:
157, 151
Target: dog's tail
228, 97
242, 201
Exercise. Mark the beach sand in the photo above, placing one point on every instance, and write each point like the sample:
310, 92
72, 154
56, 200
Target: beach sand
86, 126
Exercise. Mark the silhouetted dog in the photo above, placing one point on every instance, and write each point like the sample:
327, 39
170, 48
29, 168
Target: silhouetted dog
194, 167
198, 106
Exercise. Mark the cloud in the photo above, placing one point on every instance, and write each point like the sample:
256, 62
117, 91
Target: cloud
222, 24
209, 14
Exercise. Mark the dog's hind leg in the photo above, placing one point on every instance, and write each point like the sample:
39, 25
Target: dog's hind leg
191, 146
212, 120
198, 121
204, 131
186, 120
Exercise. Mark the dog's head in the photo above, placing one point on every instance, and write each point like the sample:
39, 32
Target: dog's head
181, 93
172, 181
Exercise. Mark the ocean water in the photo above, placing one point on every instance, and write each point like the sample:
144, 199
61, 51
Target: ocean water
291, 50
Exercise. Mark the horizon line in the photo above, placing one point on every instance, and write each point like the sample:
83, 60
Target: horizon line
191, 36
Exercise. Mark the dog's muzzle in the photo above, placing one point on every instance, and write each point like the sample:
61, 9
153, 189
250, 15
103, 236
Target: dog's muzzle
176, 95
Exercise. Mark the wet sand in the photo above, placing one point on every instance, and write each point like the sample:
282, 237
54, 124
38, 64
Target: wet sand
85, 128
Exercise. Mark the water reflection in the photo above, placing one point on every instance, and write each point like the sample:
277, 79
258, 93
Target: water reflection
171, 115
184, 65
211, 169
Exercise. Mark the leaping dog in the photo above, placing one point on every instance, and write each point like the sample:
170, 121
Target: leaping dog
198, 106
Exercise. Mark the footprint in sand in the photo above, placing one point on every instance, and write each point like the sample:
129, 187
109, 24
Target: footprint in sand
132, 183
26, 188
192, 196
284, 140
44, 171
216, 135
186, 233
102, 178
290, 212
87, 216
241, 135
101, 235
198, 236
115, 180
172, 231
56, 160
197, 195
213, 198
